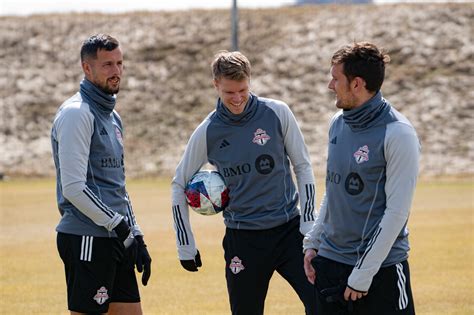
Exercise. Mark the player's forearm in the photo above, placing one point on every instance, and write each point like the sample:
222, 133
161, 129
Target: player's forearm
90, 205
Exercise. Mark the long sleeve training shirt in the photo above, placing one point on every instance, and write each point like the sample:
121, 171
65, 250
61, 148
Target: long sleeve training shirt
88, 154
372, 170
252, 151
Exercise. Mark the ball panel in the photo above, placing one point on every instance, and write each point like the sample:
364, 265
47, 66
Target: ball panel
206, 193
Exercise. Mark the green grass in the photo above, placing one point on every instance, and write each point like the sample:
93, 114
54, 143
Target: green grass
32, 277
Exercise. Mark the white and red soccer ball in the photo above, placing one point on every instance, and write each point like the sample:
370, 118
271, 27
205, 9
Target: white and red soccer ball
206, 193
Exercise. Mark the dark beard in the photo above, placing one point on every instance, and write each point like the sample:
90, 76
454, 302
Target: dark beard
108, 90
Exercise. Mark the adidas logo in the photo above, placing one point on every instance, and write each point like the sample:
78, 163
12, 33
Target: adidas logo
334, 140
103, 132
224, 144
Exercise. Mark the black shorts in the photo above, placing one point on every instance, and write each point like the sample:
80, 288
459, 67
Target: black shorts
389, 294
252, 257
99, 271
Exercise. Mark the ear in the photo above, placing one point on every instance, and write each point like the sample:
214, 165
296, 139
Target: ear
215, 82
358, 83
86, 67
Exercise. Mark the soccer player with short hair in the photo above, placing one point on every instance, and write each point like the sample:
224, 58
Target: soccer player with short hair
356, 253
251, 141
98, 238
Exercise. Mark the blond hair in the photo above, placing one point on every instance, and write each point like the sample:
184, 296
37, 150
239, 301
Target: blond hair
230, 65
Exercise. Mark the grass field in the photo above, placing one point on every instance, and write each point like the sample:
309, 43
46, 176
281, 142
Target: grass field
32, 278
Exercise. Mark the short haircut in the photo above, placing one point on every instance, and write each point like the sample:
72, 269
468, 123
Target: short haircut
231, 65
364, 60
95, 43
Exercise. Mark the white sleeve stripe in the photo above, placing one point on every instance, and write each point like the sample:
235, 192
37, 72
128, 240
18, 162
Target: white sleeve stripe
130, 213
181, 230
403, 299
98, 202
309, 205
369, 247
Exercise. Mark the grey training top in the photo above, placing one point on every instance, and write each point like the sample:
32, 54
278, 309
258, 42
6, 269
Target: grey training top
252, 151
88, 154
372, 170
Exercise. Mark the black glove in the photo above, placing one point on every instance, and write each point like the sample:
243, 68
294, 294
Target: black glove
336, 295
123, 230
192, 264
143, 261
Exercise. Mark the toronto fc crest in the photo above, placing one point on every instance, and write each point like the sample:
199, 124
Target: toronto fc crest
101, 296
362, 155
260, 137
236, 265
118, 134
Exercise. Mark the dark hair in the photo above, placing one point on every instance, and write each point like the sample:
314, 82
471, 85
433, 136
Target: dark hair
363, 60
97, 42
231, 65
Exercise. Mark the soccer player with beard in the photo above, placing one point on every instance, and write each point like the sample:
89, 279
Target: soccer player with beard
356, 253
98, 237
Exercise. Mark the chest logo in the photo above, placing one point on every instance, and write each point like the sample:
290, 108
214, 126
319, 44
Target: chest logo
354, 184
236, 265
361, 155
264, 164
260, 137
118, 134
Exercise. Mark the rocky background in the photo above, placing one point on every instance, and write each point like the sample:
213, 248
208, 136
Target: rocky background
167, 86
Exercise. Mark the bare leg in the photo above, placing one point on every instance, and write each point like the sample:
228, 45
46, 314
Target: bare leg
125, 309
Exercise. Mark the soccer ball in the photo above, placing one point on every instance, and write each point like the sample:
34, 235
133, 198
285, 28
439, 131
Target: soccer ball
206, 193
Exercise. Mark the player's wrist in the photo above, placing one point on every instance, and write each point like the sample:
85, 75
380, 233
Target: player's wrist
122, 230
306, 250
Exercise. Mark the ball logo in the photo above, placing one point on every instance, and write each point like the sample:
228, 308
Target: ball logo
101, 296
264, 164
260, 137
236, 265
362, 155
354, 184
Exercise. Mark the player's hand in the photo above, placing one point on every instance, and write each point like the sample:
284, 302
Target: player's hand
353, 295
192, 264
143, 261
123, 230
308, 267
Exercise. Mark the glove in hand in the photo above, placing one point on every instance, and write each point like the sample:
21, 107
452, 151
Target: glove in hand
143, 261
192, 264
123, 230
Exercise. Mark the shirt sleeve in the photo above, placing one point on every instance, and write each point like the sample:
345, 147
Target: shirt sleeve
136, 230
402, 153
312, 239
73, 129
298, 153
194, 157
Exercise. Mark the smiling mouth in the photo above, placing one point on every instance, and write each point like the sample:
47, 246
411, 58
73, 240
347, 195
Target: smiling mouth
114, 80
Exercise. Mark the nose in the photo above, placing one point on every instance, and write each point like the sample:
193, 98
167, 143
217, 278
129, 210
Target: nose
237, 98
331, 85
117, 69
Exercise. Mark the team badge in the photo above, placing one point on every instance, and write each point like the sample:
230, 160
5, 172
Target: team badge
118, 134
236, 265
362, 155
260, 137
101, 296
